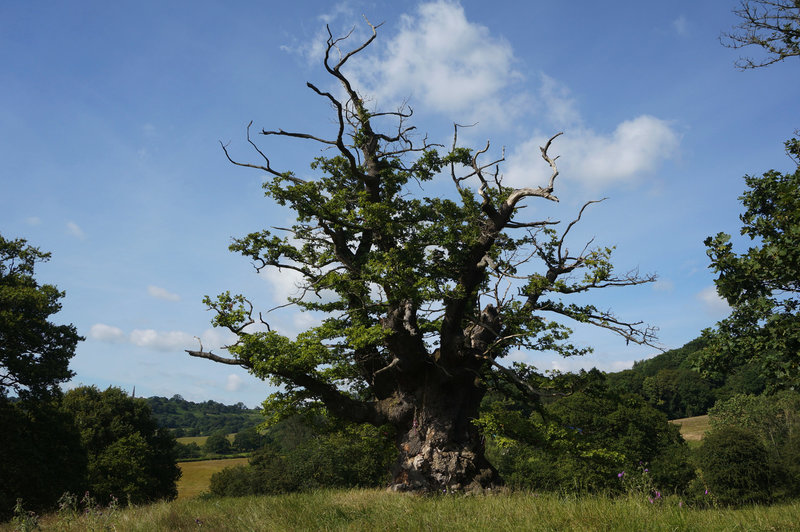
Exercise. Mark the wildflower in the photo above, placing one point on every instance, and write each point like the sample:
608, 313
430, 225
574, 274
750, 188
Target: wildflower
620, 475
680, 504
706, 491
646, 470
650, 499
658, 494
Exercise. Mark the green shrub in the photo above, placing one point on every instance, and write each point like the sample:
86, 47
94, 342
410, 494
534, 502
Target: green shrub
735, 466
218, 443
130, 457
350, 456
584, 441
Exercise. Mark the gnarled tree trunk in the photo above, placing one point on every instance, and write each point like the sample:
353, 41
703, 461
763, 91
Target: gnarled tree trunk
440, 448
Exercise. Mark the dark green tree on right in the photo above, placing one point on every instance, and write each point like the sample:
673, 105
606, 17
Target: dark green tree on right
762, 285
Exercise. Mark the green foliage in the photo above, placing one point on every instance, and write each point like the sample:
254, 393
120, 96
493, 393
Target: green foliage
218, 443
775, 420
735, 466
248, 439
187, 450
201, 419
678, 393
130, 457
761, 284
583, 441
670, 382
34, 353
301, 456
42, 456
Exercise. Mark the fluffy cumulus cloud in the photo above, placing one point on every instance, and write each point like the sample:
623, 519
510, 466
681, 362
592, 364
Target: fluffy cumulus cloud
161, 340
162, 293
440, 59
635, 148
107, 333
443, 61
284, 283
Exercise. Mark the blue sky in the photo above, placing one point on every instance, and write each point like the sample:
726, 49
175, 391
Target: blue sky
112, 112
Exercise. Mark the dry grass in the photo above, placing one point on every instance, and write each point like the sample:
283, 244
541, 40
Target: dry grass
693, 428
197, 475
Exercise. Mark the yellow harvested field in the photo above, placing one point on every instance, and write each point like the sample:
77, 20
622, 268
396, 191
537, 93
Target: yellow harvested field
693, 428
196, 476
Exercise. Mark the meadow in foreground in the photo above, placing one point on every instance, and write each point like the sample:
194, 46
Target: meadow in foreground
380, 510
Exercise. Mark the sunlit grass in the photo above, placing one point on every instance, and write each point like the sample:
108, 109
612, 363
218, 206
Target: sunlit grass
693, 428
196, 476
380, 510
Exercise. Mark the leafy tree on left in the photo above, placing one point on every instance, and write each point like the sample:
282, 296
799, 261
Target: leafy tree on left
130, 457
42, 456
34, 352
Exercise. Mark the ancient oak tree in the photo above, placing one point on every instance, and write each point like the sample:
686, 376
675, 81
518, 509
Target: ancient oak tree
426, 295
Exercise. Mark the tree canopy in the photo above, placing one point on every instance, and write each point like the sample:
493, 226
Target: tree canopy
762, 284
423, 296
130, 457
34, 352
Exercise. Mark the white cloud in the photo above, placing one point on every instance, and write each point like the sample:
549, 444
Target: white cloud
234, 383
107, 333
162, 340
441, 60
162, 293
634, 148
712, 302
285, 283
75, 230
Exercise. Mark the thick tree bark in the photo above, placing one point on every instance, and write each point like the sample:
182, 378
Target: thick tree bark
440, 448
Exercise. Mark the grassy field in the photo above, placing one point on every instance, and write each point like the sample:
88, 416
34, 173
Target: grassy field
197, 475
380, 510
200, 440
693, 428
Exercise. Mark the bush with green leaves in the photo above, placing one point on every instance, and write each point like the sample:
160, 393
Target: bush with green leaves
580, 443
42, 456
218, 443
775, 420
735, 466
130, 457
248, 439
327, 456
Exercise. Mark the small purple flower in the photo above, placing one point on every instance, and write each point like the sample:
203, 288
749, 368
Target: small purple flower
706, 491
620, 475
680, 504
658, 494
646, 470
650, 499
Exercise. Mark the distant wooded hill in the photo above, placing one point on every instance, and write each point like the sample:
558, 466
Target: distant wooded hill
187, 418
669, 383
